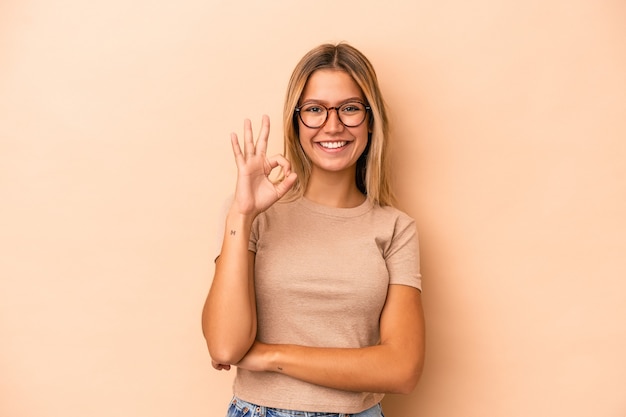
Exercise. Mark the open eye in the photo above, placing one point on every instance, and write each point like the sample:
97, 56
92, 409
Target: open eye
312, 108
350, 108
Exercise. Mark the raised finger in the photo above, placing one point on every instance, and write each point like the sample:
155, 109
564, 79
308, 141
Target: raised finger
248, 140
234, 141
261, 144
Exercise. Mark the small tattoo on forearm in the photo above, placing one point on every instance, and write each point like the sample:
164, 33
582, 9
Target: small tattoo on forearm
233, 232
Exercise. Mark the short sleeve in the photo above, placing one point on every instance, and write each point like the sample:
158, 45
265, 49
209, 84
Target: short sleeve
254, 234
402, 257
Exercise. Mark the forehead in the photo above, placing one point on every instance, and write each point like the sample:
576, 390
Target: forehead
330, 85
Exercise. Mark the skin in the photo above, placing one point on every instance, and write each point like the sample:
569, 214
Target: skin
333, 170
229, 316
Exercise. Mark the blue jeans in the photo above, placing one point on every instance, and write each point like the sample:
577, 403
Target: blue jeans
240, 408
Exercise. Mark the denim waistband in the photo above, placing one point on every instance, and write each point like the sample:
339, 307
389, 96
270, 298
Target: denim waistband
241, 408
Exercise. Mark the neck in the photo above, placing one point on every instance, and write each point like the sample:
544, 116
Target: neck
334, 190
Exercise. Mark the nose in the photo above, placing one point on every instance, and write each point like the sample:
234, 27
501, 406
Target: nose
333, 123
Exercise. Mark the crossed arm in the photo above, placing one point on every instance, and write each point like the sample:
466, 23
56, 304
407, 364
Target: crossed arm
392, 366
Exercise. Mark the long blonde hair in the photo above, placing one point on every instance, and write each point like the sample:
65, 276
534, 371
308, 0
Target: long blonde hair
373, 171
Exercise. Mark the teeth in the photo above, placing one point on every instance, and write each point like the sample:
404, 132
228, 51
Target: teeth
333, 145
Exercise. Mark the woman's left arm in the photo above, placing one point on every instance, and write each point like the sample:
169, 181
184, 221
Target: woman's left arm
393, 366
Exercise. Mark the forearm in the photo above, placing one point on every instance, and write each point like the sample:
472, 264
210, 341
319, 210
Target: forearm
380, 368
393, 366
229, 316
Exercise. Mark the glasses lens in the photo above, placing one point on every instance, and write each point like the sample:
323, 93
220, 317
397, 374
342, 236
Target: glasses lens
313, 115
352, 114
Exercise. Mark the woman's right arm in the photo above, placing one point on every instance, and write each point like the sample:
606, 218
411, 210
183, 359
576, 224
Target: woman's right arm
229, 314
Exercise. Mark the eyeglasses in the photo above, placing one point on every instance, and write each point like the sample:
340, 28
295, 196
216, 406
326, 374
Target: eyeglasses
351, 114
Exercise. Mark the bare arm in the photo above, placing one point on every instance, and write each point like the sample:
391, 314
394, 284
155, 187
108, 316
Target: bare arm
229, 314
393, 366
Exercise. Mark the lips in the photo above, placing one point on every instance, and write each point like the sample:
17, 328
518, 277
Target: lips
333, 145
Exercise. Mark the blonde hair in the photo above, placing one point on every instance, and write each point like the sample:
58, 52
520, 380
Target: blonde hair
373, 171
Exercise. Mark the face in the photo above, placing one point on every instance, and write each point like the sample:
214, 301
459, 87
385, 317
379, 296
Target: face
333, 147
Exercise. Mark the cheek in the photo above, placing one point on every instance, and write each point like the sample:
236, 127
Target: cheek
304, 137
364, 138
305, 144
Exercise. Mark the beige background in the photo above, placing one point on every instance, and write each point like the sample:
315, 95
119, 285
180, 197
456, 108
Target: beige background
510, 130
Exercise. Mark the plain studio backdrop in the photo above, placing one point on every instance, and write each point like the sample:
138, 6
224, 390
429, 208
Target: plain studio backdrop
509, 136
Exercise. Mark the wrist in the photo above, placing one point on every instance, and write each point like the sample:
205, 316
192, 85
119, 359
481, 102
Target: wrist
243, 208
237, 220
275, 358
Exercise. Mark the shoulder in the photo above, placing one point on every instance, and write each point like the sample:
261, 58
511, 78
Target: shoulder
392, 215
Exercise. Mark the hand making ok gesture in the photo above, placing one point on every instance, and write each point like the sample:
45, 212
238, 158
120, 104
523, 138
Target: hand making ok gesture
255, 192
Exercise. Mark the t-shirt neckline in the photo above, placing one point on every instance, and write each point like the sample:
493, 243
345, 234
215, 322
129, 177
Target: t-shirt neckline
359, 210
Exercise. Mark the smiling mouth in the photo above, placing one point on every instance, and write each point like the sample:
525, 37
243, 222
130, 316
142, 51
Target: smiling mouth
333, 145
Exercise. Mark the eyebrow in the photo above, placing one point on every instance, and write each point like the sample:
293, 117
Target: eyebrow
314, 100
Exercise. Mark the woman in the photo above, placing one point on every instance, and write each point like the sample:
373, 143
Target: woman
316, 293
